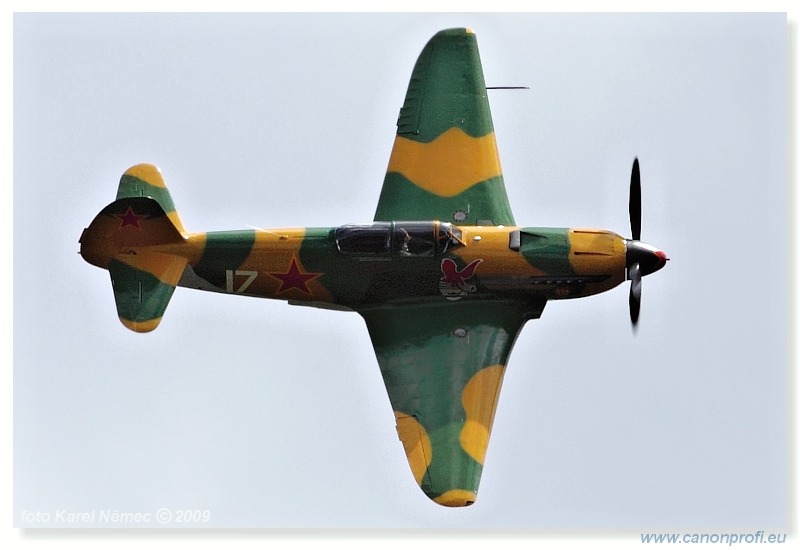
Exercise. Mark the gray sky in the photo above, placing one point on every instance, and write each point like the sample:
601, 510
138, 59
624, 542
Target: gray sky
269, 415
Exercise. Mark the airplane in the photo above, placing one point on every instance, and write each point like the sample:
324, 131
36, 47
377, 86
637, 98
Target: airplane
443, 277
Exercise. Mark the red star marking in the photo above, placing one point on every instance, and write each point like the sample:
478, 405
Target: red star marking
295, 278
130, 218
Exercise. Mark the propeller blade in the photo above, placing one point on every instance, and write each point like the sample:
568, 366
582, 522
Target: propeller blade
635, 296
635, 202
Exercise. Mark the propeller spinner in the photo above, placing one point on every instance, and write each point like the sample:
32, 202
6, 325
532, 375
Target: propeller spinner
640, 258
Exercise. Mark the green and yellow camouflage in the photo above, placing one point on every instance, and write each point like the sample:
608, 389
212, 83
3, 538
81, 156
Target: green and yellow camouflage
443, 277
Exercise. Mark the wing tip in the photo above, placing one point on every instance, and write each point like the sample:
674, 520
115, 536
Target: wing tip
455, 498
455, 31
141, 326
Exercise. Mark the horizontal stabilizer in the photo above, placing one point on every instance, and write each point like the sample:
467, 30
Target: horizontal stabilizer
143, 285
139, 241
145, 180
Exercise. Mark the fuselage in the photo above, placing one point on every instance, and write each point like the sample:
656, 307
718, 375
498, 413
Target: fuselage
357, 266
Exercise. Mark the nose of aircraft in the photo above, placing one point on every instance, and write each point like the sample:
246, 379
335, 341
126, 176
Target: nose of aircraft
649, 258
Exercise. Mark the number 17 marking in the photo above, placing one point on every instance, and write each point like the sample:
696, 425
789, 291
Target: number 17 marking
229, 273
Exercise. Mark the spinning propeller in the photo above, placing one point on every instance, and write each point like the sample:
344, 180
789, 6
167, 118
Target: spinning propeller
640, 258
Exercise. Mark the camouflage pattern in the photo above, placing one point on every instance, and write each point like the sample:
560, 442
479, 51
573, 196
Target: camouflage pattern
444, 164
443, 298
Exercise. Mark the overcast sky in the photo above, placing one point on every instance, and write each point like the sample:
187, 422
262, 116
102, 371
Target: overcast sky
269, 415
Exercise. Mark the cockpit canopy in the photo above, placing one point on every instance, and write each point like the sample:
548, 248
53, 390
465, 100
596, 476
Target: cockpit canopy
399, 238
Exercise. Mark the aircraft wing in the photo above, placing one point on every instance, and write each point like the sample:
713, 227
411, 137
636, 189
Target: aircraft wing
443, 365
444, 163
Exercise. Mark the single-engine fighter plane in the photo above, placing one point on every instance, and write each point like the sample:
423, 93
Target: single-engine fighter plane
444, 277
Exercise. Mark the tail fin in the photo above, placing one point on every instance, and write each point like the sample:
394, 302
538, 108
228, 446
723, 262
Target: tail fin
135, 238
